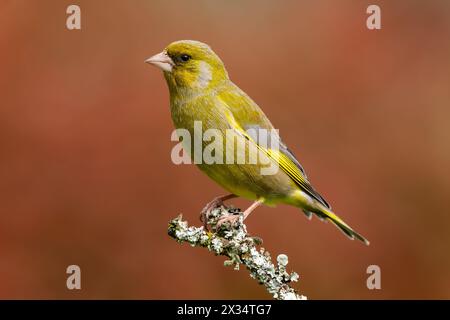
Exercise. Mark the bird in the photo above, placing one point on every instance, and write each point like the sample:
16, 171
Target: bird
201, 91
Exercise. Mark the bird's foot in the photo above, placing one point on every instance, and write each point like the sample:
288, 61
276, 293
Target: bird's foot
232, 219
215, 203
204, 215
235, 215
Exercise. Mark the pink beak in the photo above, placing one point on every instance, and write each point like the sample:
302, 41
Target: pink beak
162, 61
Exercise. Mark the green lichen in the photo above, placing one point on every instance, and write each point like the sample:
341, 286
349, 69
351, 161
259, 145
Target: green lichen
234, 242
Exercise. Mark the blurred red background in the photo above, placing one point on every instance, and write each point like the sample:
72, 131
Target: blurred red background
85, 170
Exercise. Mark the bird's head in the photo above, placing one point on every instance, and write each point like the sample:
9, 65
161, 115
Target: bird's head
189, 65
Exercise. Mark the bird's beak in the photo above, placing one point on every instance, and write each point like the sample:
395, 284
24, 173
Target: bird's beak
162, 61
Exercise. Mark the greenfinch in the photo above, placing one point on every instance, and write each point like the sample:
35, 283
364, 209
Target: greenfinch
202, 92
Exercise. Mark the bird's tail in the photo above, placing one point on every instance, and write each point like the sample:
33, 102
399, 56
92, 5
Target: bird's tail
328, 215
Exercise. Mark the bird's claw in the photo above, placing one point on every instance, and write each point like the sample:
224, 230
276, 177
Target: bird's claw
204, 214
231, 218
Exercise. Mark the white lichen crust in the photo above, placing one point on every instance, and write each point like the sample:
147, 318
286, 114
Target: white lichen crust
235, 243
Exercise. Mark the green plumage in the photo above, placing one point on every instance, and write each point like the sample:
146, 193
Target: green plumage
200, 90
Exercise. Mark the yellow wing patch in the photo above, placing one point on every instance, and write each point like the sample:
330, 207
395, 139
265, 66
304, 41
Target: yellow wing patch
295, 174
283, 162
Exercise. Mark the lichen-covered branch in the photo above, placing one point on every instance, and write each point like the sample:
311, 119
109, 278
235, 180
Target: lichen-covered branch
239, 247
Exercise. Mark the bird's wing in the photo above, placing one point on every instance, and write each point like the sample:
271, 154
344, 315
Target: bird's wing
245, 114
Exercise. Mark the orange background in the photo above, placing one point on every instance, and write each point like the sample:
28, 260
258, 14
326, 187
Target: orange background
85, 170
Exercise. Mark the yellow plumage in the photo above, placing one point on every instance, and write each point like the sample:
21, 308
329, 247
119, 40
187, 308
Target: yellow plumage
200, 90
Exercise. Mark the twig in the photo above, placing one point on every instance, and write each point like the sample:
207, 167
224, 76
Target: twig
235, 243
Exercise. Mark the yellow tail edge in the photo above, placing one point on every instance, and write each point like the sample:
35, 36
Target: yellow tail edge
341, 225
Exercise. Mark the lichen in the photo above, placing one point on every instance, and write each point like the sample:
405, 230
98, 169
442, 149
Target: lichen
234, 242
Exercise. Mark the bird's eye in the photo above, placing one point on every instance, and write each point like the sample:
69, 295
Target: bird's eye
185, 57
